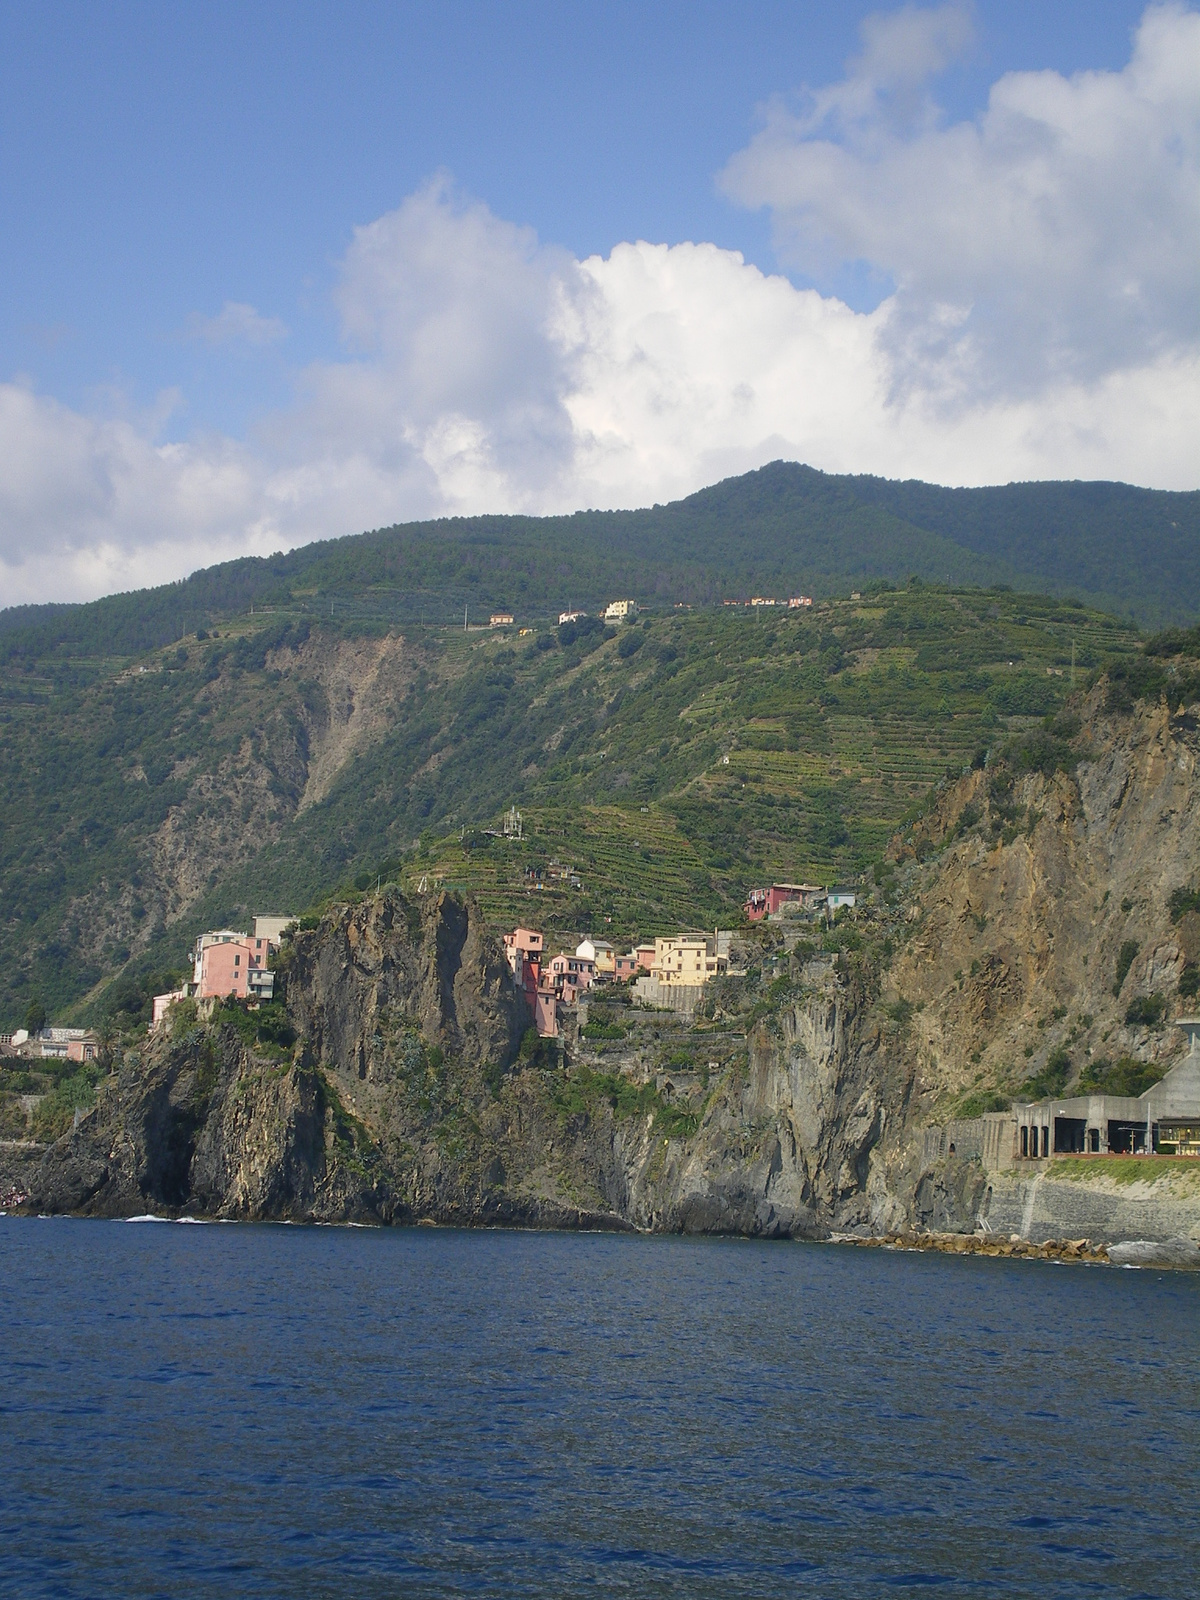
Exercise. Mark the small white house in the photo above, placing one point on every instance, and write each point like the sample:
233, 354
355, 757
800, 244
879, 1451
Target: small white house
838, 898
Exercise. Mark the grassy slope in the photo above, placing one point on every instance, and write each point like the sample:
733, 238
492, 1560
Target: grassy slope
833, 725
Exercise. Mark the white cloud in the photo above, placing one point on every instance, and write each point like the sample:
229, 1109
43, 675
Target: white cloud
1040, 327
91, 506
236, 323
1054, 238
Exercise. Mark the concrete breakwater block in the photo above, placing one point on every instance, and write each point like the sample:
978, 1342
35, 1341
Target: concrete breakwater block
1156, 1253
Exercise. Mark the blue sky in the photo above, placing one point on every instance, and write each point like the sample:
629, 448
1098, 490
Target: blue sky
163, 162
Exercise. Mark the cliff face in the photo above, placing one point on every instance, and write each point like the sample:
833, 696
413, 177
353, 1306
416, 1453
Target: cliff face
406, 1096
1019, 923
410, 1093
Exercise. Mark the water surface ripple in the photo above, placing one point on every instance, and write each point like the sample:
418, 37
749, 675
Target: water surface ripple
313, 1411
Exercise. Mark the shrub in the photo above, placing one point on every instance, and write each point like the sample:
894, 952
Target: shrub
1125, 959
1128, 1076
975, 1105
1051, 1080
56, 1112
603, 1030
536, 1051
183, 1016
1146, 1010
630, 645
1189, 982
267, 1028
1182, 901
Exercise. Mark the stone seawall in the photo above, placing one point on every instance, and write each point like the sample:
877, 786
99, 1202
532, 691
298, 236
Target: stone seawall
1044, 1205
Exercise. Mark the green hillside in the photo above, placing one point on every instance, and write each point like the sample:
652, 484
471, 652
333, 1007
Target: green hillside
781, 530
668, 766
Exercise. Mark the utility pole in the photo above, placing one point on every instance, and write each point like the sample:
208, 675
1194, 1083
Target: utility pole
1072, 663
464, 619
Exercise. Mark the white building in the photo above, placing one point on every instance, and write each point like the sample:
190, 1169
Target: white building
620, 611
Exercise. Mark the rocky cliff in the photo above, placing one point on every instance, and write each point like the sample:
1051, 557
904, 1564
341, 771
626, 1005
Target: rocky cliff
413, 1091
1037, 906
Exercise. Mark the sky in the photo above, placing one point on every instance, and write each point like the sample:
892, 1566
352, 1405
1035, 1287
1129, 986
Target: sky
273, 273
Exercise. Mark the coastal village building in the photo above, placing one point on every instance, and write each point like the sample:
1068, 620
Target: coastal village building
620, 611
500, 619
232, 968
55, 1044
678, 966
762, 903
571, 976
570, 616
228, 964
601, 953
524, 949
837, 899
683, 964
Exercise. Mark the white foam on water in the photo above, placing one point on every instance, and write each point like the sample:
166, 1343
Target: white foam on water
146, 1218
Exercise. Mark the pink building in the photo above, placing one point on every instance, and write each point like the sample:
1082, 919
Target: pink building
545, 1012
624, 967
643, 957
523, 948
232, 966
163, 1004
571, 976
523, 942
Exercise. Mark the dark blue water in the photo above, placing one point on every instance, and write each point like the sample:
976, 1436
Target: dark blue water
293, 1411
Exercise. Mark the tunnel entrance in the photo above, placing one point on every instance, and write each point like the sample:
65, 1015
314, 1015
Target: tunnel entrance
1070, 1134
1127, 1138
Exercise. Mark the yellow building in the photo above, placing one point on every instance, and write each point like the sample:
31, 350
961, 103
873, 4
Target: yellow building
687, 958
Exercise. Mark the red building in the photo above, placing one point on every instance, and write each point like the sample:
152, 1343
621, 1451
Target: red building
762, 903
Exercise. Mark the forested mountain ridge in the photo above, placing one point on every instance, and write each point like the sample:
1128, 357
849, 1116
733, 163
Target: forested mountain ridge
782, 529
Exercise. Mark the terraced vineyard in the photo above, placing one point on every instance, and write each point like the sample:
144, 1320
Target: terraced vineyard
736, 748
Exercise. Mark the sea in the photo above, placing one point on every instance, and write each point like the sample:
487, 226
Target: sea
251, 1410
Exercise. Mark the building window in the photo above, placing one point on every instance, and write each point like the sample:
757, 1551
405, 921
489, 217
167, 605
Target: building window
1024, 1141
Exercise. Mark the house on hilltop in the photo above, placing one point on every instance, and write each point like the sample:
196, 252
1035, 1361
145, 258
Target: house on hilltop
762, 903
228, 964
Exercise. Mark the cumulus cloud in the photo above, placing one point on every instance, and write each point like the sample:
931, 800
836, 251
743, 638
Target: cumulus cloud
1055, 237
90, 506
1043, 324
236, 323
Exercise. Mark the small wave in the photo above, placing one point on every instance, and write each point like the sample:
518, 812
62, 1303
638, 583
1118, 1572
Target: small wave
146, 1218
